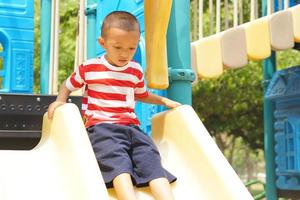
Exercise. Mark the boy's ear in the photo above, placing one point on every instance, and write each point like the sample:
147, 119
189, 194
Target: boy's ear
101, 41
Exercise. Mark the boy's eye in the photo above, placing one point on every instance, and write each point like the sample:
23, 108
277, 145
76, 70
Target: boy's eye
131, 48
117, 47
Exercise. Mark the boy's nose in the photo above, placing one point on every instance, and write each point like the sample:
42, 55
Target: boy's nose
124, 54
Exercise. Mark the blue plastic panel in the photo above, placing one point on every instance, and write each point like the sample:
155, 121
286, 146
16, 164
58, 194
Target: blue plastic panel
284, 91
276, 4
136, 7
287, 151
285, 84
17, 39
17, 8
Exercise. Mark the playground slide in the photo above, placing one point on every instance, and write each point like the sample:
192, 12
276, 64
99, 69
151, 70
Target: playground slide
63, 166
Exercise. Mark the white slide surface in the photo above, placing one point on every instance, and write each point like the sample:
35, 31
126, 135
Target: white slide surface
63, 165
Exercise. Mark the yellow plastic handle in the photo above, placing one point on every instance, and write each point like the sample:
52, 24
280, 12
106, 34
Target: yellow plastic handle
157, 15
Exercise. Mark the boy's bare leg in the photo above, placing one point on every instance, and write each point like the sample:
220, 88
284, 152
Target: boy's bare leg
124, 187
161, 189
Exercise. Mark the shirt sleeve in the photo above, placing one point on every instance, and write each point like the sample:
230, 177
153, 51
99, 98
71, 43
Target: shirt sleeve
76, 80
140, 90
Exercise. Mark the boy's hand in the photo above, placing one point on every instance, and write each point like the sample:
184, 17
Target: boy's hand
52, 108
171, 104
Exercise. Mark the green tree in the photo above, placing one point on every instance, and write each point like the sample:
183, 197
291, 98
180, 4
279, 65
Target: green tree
245, 17
232, 105
67, 40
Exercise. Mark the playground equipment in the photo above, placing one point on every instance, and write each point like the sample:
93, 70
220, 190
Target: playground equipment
284, 92
254, 40
193, 159
62, 160
157, 14
21, 118
277, 31
16, 41
73, 174
63, 165
264, 36
257, 182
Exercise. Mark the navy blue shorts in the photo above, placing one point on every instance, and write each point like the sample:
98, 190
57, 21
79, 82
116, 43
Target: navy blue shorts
126, 149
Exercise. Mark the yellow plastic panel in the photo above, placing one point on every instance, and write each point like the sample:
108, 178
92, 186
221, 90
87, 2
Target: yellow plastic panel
296, 22
189, 152
281, 29
62, 167
206, 57
234, 52
194, 61
157, 14
258, 39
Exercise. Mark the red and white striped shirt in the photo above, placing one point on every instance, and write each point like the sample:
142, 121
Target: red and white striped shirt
110, 91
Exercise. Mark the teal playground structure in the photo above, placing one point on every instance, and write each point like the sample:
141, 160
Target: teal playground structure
273, 186
21, 111
104, 7
16, 46
181, 74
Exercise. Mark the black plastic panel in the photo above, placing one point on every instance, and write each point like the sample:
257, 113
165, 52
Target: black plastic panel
291, 194
21, 118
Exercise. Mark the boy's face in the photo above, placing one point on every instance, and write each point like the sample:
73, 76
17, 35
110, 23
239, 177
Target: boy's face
120, 45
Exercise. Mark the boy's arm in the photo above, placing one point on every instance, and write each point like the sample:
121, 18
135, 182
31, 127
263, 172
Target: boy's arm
61, 99
155, 99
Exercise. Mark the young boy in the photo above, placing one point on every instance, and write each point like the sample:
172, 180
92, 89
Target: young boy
113, 82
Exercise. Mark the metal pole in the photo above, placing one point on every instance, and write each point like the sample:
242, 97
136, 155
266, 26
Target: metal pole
81, 44
286, 4
45, 25
55, 49
269, 67
178, 47
195, 28
270, 7
218, 16
91, 28
52, 39
252, 10
235, 13
200, 19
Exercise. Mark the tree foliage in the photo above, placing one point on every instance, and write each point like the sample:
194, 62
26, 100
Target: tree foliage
243, 16
67, 40
232, 104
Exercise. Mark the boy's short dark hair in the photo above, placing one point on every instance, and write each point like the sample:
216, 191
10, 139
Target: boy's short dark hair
119, 19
